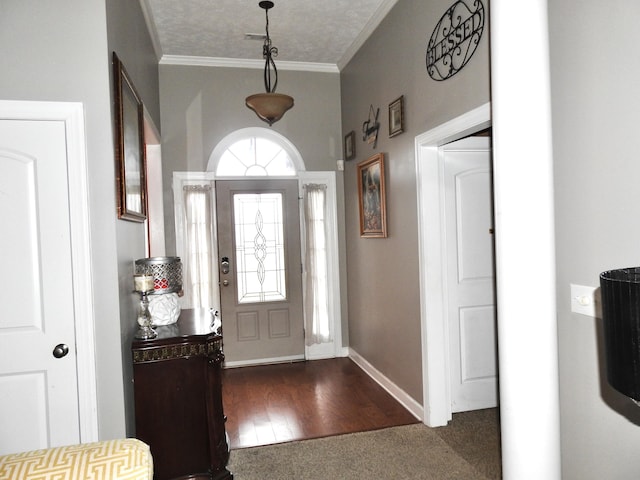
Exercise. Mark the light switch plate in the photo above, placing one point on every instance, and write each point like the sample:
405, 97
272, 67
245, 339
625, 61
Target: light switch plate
584, 300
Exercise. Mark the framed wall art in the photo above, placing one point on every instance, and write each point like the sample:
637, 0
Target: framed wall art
396, 117
350, 145
372, 197
129, 147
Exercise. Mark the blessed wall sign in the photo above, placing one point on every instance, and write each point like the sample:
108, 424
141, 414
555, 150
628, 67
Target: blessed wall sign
455, 39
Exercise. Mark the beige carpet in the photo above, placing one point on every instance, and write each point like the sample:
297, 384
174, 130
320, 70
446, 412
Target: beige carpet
411, 452
475, 436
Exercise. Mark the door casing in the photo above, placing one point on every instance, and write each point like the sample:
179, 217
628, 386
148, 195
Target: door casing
312, 352
431, 258
71, 114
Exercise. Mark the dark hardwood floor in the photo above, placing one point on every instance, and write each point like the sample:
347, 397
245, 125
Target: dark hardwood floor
280, 403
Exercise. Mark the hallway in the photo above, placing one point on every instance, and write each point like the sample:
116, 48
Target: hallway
284, 402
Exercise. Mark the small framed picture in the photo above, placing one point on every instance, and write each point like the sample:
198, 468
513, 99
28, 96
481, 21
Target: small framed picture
372, 197
350, 145
130, 147
396, 117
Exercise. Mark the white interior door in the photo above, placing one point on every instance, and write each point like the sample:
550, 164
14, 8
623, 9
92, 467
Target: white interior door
38, 392
470, 274
260, 271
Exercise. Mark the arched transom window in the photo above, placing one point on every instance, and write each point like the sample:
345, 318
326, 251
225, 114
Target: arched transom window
255, 152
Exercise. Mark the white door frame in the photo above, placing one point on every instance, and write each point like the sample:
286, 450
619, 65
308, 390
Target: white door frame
72, 115
429, 171
314, 352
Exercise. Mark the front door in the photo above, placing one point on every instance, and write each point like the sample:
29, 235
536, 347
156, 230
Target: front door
260, 271
470, 274
38, 383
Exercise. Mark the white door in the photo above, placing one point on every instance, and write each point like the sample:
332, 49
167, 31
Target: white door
38, 392
470, 274
260, 271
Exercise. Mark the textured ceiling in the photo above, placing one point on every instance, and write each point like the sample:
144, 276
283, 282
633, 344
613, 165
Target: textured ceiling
307, 31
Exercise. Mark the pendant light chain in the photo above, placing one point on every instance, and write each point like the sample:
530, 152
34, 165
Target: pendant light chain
269, 51
269, 106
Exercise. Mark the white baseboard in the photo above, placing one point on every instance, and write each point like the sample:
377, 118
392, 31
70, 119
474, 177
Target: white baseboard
264, 361
342, 352
396, 392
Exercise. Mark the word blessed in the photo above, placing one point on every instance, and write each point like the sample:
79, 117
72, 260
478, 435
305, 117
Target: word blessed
455, 39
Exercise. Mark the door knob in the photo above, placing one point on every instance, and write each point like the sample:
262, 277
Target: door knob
60, 350
225, 283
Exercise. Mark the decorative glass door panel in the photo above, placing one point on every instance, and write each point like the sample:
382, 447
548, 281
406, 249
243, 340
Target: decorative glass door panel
259, 246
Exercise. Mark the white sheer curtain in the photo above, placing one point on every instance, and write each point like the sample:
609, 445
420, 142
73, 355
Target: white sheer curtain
317, 325
198, 256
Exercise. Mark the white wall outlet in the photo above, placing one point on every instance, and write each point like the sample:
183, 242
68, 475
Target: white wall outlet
585, 300
340, 165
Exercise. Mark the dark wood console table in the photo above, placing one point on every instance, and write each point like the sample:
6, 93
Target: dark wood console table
178, 399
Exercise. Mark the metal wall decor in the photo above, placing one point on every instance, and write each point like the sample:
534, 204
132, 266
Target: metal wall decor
455, 38
371, 126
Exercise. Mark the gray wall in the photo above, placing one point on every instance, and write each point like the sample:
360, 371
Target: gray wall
595, 102
201, 105
384, 297
58, 51
128, 36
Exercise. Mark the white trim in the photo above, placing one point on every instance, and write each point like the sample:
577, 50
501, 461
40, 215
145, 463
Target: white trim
72, 114
435, 360
264, 361
396, 392
332, 349
525, 242
195, 61
249, 132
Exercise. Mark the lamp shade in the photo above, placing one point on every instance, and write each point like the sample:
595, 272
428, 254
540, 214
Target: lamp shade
166, 273
620, 292
270, 107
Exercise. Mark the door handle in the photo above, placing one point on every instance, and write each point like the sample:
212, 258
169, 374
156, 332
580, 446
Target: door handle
60, 350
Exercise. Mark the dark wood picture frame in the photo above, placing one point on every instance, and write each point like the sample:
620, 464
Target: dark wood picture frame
129, 147
350, 145
396, 116
372, 197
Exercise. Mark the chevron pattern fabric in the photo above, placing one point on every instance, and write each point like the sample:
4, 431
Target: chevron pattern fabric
125, 459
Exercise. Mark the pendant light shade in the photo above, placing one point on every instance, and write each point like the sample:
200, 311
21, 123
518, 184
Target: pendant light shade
269, 106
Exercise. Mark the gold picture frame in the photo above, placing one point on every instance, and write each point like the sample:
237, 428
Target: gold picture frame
129, 147
372, 197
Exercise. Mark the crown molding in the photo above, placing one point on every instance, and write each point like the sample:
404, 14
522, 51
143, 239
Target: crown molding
246, 63
382, 11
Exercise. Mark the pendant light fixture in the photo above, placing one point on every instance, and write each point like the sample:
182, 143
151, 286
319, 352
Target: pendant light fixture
269, 106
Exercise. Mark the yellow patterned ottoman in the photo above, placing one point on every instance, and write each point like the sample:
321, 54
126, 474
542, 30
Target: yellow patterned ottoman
128, 459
